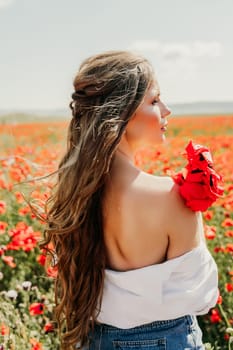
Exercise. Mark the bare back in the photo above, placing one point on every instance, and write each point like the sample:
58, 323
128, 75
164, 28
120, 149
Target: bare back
139, 224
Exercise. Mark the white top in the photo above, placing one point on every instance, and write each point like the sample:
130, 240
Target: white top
185, 285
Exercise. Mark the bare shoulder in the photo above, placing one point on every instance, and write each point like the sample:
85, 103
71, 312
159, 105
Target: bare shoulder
151, 184
164, 204
149, 196
151, 193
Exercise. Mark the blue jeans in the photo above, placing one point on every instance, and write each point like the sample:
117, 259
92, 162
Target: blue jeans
182, 333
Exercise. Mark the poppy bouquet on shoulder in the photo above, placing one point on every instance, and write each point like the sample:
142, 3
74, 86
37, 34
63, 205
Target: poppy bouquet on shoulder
199, 184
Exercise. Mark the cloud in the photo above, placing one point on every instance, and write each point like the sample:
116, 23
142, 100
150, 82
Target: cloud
5, 3
179, 50
183, 68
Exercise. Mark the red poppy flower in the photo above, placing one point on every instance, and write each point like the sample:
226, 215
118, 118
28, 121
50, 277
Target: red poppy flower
229, 287
208, 215
19, 197
2, 207
3, 226
35, 344
218, 249
229, 233
9, 260
48, 328
36, 309
4, 330
227, 222
199, 186
215, 316
52, 271
219, 300
23, 237
210, 232
41, 259
229, 248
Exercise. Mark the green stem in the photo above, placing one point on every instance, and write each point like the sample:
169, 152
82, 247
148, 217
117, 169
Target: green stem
227, 322
229, 344
224, 315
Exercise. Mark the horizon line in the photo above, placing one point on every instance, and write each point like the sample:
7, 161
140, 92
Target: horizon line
67, 107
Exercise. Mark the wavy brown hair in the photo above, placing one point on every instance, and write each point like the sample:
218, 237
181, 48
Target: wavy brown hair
108, 88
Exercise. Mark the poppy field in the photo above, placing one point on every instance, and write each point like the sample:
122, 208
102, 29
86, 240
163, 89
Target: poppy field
33, 150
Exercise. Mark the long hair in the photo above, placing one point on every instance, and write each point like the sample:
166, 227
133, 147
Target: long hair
108, 88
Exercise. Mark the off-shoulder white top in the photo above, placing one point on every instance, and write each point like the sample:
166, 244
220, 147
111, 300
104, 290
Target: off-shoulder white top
185, 285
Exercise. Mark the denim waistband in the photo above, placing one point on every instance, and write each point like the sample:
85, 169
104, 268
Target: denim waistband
146, 327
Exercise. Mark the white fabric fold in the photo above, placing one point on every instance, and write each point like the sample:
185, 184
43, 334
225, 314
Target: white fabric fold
184, 285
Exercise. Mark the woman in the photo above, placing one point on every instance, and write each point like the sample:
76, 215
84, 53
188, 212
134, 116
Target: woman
133, 267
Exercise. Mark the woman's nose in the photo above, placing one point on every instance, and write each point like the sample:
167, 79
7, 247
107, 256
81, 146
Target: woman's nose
166, 111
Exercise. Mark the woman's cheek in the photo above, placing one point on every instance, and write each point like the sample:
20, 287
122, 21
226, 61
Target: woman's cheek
154, 121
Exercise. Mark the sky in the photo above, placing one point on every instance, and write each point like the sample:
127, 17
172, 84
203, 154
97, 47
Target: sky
43, 42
